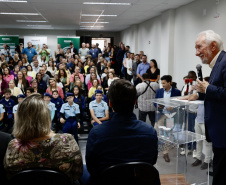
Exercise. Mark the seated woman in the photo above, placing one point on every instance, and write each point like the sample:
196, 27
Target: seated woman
15, 71
72, 84
3, 84
21, 82
30, 71
41, 83
53, 86
93, 76
28, 78
15, 91
7, 76
62, 75
98, 109
36, 146
93, 88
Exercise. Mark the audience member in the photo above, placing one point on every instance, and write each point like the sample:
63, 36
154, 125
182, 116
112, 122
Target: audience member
146, 91
142, 68
134, 69
121, 139
15, 91
53, 86
39, 144
154, 71
29, 51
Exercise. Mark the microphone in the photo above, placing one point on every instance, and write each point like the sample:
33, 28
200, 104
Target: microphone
199, 72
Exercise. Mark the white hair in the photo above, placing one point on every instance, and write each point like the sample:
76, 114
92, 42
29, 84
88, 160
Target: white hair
212, 36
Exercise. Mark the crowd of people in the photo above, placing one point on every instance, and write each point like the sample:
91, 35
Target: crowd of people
57, 93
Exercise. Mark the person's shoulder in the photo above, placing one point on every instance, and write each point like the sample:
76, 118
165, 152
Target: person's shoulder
5, 137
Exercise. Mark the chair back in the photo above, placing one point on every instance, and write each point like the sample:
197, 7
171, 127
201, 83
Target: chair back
40, 177
131, 173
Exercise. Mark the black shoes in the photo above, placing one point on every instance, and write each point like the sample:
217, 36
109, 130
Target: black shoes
196, 163
166, 157
204, 166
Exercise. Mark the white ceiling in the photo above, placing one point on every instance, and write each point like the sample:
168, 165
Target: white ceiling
66, 14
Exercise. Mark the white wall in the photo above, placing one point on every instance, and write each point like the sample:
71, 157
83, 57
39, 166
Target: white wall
173, 35
51, 35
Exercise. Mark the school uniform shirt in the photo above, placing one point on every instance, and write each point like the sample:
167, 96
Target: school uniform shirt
15, 109
98, 108
69, 111
51, 106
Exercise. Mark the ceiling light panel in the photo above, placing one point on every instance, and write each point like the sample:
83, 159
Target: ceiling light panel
94, 22
12, 1
97, 15
7, 13
101, 3
29, 21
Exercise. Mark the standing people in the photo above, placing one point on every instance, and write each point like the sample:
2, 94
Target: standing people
154, 71
83, 52
142, 68
134, 69
94, 52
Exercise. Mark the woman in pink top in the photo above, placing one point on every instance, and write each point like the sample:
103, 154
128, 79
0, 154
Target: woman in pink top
28, 78
93, 76
53, 86
7, 76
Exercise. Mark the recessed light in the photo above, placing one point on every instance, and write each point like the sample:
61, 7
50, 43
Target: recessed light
93, 15
36, 25
28, 21
101, 3
96, 22
91, 26
12, 1
5, 13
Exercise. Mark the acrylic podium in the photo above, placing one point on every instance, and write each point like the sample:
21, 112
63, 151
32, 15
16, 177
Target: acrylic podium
171, 124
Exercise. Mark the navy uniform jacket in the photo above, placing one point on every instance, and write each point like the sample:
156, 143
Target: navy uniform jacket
215, 103
8, 105
80, 102
58, 103
121, 139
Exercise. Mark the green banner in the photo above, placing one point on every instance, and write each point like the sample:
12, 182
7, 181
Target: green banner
65, 42
11, 41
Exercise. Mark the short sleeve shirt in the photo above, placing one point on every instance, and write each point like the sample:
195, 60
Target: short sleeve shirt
2, 109
30, 53
51, 106
15, 109
70, 111
99, 108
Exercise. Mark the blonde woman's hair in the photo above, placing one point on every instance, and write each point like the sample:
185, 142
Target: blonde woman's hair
50, 87
33, 118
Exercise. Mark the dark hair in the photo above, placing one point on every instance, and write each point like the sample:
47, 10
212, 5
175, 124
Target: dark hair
65, 73
55, 91
155, 63
30, 89
71, 43
7, 90
192, 73
167, 78
122, 95
146, 76
79, 92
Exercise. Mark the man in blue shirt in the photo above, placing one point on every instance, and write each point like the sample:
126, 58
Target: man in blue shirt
123, 138
29, 51
142, 68
94, 52
98, 109
70, 115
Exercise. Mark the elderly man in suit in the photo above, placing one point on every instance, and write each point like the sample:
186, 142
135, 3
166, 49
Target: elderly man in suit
209, 47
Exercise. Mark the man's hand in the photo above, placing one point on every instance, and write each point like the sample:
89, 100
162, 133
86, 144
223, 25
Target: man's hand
191, 97
160, 106
79, 126
62, 120
169, 108
202, 86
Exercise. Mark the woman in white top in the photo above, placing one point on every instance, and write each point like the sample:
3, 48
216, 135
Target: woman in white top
15, 91
111, 78
51, 67
30, 71
24, 61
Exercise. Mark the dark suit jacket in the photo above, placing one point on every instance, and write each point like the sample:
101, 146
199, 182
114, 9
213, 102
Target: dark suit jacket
215, 103
75, 51
5, 139
160, 93
134, 70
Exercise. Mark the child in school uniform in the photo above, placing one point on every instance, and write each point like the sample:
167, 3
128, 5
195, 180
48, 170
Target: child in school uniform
20, 98
2, 111
47, 97
8, 103
69, 116
57, 100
